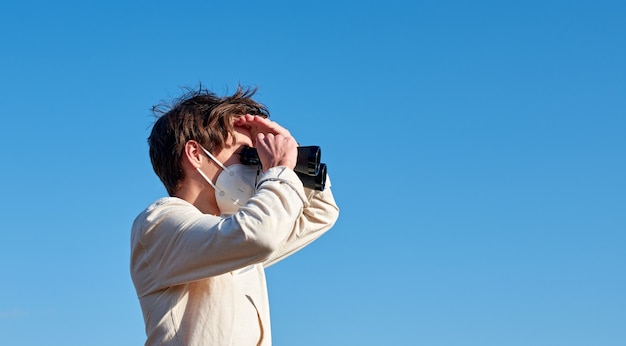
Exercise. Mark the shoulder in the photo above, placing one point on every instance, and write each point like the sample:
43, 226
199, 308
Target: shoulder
166, 205
166, 210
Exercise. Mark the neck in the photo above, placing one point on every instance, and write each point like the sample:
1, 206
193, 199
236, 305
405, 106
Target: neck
200, 194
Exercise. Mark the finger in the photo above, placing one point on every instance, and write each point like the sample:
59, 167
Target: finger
262, 124
243, 120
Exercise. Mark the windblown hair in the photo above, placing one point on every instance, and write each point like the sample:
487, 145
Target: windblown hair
198, 115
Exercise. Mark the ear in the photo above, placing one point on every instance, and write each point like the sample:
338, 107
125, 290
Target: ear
193, 154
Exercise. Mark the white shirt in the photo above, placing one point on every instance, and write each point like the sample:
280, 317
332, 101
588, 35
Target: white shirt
200, 278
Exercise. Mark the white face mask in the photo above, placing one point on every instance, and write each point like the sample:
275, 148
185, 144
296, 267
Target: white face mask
234, 186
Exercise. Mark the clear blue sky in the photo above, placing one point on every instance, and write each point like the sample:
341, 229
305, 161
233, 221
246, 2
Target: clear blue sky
477, 150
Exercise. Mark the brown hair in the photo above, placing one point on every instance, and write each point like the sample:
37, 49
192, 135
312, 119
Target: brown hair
198, 115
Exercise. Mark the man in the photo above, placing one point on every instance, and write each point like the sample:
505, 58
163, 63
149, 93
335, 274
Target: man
198, 256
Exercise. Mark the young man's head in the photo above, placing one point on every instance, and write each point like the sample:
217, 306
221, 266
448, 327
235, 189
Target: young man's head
198, 115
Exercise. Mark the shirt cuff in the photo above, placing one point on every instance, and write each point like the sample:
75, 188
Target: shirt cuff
287, 176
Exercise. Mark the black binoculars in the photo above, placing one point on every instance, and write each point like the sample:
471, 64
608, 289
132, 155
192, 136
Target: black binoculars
308, 168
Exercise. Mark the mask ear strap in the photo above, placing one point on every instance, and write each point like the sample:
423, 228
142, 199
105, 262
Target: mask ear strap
204, 175
206, 178
214, 159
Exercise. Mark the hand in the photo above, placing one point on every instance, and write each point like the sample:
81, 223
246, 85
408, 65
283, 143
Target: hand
273, 142
256, 124
276, 150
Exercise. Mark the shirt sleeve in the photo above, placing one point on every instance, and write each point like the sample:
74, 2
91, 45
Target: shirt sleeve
319, 214
173, 242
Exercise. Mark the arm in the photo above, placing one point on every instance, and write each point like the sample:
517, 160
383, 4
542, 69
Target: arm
318, 216
174, 243
320, 210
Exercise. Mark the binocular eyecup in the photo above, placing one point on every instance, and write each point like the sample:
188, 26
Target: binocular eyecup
308, 161
308, 168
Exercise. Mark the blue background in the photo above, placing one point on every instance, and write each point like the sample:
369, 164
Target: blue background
477, 150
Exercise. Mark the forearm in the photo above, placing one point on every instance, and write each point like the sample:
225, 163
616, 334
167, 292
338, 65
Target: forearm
317, 218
